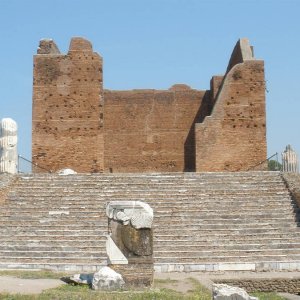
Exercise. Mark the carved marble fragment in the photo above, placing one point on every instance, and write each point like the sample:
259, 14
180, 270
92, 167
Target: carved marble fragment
8, 146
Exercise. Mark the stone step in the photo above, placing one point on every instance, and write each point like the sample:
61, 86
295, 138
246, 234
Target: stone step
228, 236
29, 236
185, 220
49, 232
190, 221
159, 246
156, 179
31, 247
155, 176
150, 182
57, 192
196, 230
216, 238
194, 259
71, 266
193, 246
52, 259
60, 253
158, 207
225, 212
158, 226
165, 199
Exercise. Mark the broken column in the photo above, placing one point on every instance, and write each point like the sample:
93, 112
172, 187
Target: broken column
290, 161
8, 146
130, 242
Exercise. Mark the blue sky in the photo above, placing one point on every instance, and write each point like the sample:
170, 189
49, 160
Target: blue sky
154, 44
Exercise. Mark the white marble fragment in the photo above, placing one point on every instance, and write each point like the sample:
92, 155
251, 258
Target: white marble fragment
8, 146
107, 279
138, 213
64, 172
115, 255
227, 292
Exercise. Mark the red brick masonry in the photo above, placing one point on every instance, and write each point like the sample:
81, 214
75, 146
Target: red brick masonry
76, 124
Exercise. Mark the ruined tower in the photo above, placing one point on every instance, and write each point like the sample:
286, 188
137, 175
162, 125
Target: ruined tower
78, 125
67, 114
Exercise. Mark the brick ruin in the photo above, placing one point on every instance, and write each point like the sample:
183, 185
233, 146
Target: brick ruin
79, 125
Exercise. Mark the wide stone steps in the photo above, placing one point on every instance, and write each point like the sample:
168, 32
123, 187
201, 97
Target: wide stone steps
201, 219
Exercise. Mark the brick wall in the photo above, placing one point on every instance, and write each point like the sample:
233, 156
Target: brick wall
67, 108
78, 125
233, 138
284, 285
150, 130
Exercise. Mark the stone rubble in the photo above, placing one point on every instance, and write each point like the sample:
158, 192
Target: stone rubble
105, 279
227, 292
138, 213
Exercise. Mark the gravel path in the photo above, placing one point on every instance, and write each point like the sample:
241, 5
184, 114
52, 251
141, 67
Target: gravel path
15, 285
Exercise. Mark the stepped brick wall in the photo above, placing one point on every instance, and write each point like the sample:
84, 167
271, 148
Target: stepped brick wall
78, 125
234, 136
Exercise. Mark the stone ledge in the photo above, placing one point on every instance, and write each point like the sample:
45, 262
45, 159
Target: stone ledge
215, 267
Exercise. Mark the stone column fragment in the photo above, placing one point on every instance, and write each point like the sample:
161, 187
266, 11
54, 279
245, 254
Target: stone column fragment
130, 243
8, 146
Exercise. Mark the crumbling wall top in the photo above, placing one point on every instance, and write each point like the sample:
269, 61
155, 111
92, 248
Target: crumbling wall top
80, 44
47, 46
241, 52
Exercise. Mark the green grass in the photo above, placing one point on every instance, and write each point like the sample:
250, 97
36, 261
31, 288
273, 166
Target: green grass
163, 289
267, 296
199, 291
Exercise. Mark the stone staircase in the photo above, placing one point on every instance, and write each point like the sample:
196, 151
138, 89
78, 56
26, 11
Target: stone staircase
203, 221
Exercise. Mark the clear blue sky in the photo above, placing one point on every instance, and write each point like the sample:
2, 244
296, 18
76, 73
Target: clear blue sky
154, 44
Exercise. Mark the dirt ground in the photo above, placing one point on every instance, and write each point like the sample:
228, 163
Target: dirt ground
15, 285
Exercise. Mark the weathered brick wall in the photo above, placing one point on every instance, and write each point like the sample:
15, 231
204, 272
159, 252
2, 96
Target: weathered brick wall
233, 138
77, 125
136, 273
67, 108
151, 130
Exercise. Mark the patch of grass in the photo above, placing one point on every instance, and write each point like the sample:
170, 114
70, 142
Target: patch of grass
28, 274
199, 292
68, 292
267, 296
164, 281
